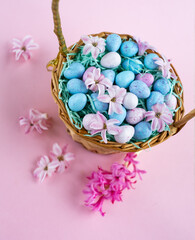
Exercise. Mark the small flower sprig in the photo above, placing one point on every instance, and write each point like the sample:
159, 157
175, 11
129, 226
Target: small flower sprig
143, 46
36, 120
109, 185
58, 162
23, 47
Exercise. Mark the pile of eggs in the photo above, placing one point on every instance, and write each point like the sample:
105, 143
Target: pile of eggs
122, 66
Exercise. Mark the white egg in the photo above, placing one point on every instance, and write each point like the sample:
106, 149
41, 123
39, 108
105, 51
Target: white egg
87, 120
135, 115
130, 101
125, 135
111, 60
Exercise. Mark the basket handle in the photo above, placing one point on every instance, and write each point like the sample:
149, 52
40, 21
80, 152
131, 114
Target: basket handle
185, 119
58, 28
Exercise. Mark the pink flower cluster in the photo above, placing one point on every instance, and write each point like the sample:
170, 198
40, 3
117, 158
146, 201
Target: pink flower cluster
58, 162
35, 121
109, 185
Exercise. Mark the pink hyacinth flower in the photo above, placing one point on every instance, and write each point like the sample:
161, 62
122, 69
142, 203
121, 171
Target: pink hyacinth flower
99, 124
143, 46
160, 116
115, 98
45, 168
61, 157
35, 121
93, 45
165, 66
23, 48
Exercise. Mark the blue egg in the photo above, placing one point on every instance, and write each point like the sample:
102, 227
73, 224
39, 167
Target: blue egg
129, 48
110, 74
154, 98
120, 117
149, 61
76, 85
162, 85
133, 65
123, 79
77, 102
75, 70
140, 89
113, 42
100, 106
142, 130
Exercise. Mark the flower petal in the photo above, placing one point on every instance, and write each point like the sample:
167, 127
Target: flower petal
86, 39
103, 134
154, 124
57, 149
87, 49
95, 52
104, 98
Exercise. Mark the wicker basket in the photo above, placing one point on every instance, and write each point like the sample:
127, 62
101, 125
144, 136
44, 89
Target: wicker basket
94, 143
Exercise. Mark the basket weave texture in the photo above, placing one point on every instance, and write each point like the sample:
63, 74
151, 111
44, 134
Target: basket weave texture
94, 143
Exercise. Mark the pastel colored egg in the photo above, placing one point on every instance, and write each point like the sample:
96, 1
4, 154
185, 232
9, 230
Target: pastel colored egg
90, 69
120, 117
129, 48
111, 60
125, 135
149, 61
77, 102
75, 70
147, 78
87, 120
171, 101
135, 115
113, 42
133, 65
100, 106
162, 85
76, 85
110, 74
130, 101
124, 78
140, 89
154, 98
142, 130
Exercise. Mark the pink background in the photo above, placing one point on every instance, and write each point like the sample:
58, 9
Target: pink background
162, 206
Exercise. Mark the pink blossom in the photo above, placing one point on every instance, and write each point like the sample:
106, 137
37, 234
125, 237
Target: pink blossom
96, 81
45, 168
165, 66
36, 120
115, 98
108, 185
100, 124
61, 157
23, 48
95, 45
160, 116
143, 46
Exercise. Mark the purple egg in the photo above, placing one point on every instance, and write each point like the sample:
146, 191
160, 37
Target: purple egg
147, 78
135, 115
171, 101
90, 69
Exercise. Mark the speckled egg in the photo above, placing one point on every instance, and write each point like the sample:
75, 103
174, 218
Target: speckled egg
171, 101
110, 74
124, 78
87, 120
90, 69
129, 48
120, 117
113, 42
133, 65
155, 97
135, 115
100, 106
75, 70
140, 89
111, 60
125, 135
76, 85
130, 101
77, 102
149, 61
142, 130
162, 85
147, 78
